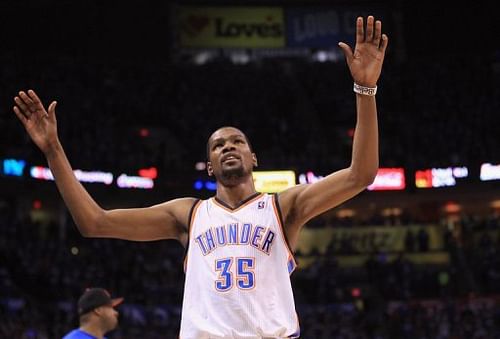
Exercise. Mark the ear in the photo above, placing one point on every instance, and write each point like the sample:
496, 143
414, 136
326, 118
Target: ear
254, 160
210, 170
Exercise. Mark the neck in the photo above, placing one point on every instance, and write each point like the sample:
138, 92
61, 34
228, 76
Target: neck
234, 194
93, 330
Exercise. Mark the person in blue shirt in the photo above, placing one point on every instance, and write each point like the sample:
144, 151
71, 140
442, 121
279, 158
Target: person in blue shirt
97, 313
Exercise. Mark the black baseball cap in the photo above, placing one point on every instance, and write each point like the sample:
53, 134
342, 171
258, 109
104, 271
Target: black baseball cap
96, 297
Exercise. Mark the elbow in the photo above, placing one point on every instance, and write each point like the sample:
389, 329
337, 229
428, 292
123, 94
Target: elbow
363, 179
91, 227
369, 178
86, 230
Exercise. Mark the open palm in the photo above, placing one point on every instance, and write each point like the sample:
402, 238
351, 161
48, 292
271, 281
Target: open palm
40, 124
365, 63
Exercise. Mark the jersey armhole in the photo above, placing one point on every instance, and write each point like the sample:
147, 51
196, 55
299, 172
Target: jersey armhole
192, 211
292, 263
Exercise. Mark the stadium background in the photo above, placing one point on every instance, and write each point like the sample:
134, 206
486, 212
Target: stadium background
135, 98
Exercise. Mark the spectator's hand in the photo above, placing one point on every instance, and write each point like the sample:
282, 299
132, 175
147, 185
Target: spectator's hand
40, 125
366, 62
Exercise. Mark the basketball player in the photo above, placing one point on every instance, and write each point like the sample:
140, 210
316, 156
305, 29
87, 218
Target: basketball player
239, 243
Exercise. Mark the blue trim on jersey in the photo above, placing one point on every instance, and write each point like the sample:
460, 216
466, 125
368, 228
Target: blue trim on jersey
291, 266
282, 225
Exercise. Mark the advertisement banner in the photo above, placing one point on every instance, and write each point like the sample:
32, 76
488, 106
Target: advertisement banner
231, 27
489, 172
365, 240
440, 177
389, 179
320, 27
273, 181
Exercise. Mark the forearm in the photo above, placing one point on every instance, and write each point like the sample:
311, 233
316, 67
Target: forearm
365, 161
85, 211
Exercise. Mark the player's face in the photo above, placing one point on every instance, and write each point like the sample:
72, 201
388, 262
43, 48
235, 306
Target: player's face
230, 156
109, 317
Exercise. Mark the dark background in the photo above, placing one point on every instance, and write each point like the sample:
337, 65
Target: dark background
112, 67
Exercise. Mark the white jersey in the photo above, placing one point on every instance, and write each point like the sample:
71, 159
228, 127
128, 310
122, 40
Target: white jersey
238, 268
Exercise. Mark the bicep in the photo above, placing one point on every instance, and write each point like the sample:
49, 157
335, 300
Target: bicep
164, 221
304, 202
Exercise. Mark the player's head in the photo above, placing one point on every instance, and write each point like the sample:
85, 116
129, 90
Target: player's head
96, 305
229, 154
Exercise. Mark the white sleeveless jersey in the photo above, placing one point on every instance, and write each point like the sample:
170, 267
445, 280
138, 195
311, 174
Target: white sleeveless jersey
238, 268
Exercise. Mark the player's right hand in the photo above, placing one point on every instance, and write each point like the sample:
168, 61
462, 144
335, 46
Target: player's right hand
40, 124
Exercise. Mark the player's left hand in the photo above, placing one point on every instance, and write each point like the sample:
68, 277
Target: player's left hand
365, 63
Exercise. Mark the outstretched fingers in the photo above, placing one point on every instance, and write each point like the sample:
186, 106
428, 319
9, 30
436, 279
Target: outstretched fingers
22, 107
347, 51
383, 44
52, 110
360, 30
369, 29
372, 33
36, 100
27, 101
377, 35
20, 115
34, 103
29, 104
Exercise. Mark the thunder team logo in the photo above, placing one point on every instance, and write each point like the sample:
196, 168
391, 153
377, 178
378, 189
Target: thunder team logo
259, 237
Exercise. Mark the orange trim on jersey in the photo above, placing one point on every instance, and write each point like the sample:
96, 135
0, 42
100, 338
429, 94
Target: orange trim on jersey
283, 237
191, 221
246, 203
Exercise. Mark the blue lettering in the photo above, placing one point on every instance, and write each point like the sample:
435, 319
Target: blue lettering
199, 240
221, 235
245, 233
260, 237
256, 236
233, 234
210, 240
266, 246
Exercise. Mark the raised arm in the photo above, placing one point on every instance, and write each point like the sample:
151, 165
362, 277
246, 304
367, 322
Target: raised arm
301, 203
165, 221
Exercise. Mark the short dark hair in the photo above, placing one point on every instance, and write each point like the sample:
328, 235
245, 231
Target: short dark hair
244, 135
